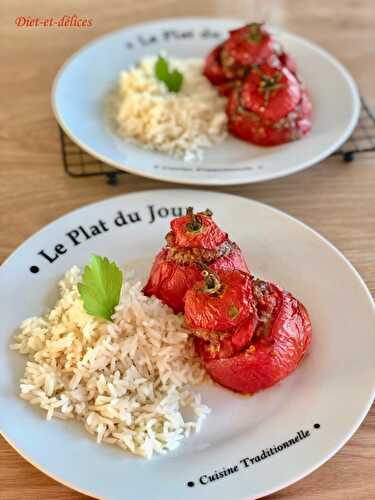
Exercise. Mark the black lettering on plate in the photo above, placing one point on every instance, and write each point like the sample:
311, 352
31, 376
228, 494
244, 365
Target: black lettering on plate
246, 462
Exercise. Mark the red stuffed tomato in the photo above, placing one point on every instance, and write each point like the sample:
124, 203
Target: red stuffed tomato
280, 338
250, 126
195, 240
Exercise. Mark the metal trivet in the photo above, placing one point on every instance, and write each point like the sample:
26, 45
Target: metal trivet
78, 163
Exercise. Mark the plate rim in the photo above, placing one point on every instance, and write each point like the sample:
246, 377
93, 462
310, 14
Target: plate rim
207, 181
361, 416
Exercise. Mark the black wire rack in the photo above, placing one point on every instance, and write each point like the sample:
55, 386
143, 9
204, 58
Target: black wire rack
78, 163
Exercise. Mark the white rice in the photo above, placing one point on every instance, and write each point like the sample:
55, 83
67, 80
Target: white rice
128, 381
180, 124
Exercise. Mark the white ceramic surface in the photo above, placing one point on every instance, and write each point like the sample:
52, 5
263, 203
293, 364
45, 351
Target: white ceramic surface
333, 387
86, 78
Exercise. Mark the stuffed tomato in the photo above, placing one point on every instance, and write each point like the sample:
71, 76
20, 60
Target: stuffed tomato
195, 241
265, 345
269, 108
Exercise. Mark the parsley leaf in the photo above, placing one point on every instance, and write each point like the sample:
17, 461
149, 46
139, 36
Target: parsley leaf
161, 69
100, 287
175, 81
172, 79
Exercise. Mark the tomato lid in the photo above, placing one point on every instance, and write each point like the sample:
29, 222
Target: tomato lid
197, 231
220, 302
252, 33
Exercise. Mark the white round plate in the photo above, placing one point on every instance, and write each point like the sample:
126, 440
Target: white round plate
89, 75
324, 400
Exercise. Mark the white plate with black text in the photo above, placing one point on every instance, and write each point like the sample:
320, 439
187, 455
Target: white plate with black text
240, 451
85, 80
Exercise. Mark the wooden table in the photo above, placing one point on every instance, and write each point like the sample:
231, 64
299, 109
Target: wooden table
335, 198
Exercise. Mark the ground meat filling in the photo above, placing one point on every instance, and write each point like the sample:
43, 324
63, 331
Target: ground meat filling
188, 256
266, 304
209, 335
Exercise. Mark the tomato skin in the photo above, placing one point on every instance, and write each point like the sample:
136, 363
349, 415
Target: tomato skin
169, 281
270, 358
223, 311
279, 101
210, 236
213, 69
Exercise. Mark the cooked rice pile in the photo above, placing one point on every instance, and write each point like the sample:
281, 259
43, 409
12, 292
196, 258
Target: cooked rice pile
180, 123
127, 381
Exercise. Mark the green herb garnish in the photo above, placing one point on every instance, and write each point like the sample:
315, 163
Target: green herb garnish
233, 312
100, 287
172, 79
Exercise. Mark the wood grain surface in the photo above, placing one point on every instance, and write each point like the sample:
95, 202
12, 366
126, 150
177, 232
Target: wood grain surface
335, 198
